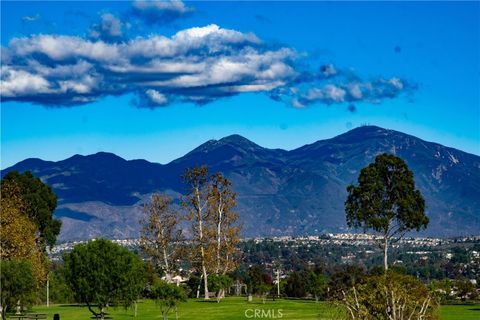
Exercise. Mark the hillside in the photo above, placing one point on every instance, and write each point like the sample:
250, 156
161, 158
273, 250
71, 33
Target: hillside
301, 191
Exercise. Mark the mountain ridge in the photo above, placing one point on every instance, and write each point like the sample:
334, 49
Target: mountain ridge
215, 140
300, 191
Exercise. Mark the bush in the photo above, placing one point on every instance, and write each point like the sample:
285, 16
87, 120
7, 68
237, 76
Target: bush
392, 296
167, 296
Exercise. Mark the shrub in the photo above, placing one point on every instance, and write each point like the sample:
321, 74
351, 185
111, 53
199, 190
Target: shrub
392, 296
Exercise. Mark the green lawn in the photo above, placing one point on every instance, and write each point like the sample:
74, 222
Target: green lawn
460, 312
239, 308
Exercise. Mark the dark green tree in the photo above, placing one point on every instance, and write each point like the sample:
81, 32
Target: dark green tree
255, 278
101, 274
296, 285
386, 201
344, 279
316, 285
17, 284
60, 292
219, 283
40, 202
167, 296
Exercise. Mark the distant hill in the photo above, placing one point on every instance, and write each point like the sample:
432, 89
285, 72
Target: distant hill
280, 192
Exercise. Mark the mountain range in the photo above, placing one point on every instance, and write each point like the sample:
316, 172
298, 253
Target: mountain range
279, 192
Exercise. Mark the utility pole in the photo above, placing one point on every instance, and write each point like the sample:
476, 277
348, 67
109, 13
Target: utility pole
278, 282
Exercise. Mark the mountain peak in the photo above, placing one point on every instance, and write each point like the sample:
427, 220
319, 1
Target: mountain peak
369, 129
238, 140
363, 133
99, 156
234, 140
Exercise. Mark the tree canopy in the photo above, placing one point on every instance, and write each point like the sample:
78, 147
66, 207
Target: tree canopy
39, 203
18, 284
161, 233
18, 232
386, 200
101, 273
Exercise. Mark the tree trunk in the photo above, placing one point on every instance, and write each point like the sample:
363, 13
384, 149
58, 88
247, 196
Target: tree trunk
385, 253
219, 228
92, 311
198, 287
205, 280
200, 236
167, 267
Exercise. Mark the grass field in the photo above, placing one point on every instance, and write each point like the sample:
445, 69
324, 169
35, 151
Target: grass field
460, 312
239, 308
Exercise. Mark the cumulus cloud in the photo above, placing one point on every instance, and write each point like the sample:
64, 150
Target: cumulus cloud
197, 65
349, 91
108, 29
155, 98
160, 11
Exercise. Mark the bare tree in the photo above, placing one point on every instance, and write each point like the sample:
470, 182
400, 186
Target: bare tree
160, 233
222, 200
197, 203
223, 219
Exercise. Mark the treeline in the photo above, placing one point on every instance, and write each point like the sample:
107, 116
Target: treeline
455, 261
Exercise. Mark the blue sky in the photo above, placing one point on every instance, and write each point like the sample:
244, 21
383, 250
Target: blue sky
282, 74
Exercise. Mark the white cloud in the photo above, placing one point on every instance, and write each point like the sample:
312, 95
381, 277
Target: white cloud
109, 28
373, 91
397, 83
172, 5
160, 12
59, 47
31, 18
197, 64
16, 83
355, 91
156, 97
334, 93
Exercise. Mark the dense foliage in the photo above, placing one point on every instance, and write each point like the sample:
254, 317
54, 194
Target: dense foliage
39, 203
386, 200
103, 274
17, 285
